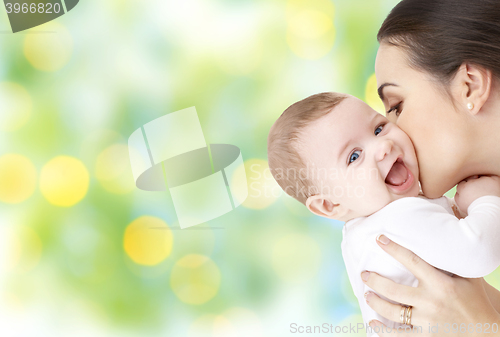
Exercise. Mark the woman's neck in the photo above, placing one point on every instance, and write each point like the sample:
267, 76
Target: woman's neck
485, 135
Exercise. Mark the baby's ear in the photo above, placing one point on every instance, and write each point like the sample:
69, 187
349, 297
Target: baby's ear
322, 205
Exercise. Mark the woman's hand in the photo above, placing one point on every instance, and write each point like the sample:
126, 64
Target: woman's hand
439, 301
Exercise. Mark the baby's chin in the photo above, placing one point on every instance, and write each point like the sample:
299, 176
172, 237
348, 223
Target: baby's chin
413, 192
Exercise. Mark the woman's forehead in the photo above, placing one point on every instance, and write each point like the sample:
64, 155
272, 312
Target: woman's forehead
392, 69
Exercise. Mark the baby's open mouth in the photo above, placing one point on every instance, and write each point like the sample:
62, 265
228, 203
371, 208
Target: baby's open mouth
398, 174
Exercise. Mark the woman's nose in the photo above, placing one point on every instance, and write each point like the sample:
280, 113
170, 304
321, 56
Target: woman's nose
384, 148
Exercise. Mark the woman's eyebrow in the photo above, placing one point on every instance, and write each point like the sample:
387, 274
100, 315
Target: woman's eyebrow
381, 89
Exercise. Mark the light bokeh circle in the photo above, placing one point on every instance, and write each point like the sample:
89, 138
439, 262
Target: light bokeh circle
148, 240
195, 279
64, 181
17, 178
112, 169
15, 106
51, 49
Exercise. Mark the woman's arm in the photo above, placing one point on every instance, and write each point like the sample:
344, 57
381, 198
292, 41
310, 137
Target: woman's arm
437, 302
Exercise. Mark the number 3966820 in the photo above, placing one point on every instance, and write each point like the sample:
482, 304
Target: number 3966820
33, 8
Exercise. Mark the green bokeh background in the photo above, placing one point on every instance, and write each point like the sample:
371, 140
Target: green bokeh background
106, 68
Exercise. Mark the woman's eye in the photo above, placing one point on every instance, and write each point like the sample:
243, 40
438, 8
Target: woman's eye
396, 108
379, 129
355, 155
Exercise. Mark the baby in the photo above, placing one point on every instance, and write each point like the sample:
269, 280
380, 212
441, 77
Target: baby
345, 161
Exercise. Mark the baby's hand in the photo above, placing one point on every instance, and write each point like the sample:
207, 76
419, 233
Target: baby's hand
475, 187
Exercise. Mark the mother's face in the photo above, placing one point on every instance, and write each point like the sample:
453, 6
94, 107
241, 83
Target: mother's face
420, 106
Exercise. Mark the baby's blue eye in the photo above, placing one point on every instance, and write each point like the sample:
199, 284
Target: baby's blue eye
378, 130
355, 155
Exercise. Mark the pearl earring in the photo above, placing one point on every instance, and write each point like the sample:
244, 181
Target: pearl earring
470, 106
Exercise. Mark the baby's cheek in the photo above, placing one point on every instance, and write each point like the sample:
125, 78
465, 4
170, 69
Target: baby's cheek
371, 195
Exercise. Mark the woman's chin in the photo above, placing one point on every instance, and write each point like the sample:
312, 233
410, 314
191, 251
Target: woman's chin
433, 189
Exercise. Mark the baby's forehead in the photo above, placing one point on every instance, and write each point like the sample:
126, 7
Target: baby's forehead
351, 119
350, 116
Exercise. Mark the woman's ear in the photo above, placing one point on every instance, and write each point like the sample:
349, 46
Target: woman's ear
471, 87
322, 205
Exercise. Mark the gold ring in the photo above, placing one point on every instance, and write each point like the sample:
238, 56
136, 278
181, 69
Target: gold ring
402, 317
408, 316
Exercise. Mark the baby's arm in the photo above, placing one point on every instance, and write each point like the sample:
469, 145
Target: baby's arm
475, 187
468, 247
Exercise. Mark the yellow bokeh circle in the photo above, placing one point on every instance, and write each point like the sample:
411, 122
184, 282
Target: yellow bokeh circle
371, 95
311, 32
51, 49
64, 181
17, 178
296, 257
263, 190
195, 279
147, 240
310, 24
113, 171
15, 106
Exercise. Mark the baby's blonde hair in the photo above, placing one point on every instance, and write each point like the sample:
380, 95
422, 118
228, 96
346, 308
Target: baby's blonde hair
283, 138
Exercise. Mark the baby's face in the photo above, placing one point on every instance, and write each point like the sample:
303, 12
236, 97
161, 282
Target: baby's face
359, 159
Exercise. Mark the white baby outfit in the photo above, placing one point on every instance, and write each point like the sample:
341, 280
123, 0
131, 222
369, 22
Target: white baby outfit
467, 247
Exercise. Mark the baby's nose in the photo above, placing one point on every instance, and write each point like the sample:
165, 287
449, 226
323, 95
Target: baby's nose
385, 147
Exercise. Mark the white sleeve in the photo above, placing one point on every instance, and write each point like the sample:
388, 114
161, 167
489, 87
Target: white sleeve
374, 259
468, 247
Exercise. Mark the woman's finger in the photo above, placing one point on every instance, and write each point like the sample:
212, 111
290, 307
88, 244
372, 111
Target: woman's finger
390, 289
386, 309
417, 266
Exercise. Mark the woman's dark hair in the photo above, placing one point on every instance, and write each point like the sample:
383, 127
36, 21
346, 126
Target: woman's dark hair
440, 35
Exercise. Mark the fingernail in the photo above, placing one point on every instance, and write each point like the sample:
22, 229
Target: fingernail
383, 239
372, 323
366, 296
365, 275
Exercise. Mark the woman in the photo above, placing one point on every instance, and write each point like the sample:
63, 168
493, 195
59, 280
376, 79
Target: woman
438, 71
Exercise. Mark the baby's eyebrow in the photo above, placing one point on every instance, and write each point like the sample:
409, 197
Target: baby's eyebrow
380, 89
342, 149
